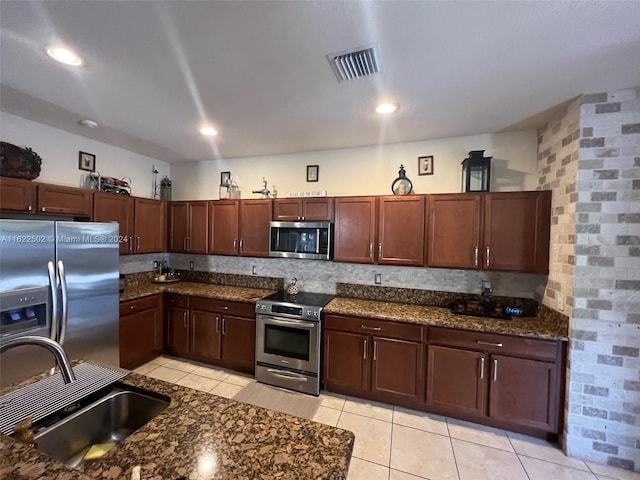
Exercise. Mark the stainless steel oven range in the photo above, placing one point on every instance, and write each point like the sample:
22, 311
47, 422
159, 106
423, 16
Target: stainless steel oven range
288, 336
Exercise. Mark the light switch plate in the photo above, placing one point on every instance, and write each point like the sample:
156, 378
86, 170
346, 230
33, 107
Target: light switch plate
191, 265
254, 269
377, 278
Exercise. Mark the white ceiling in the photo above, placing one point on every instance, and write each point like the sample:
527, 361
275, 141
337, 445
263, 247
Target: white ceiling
155, 71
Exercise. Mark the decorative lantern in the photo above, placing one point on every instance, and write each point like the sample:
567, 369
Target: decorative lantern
476, 172
165, 189
402, 185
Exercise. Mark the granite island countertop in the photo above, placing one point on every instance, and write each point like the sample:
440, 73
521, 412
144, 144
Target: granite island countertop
443, 317
202, 436
208, 290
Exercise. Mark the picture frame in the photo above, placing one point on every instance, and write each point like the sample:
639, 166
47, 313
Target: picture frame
87, 162
425, 165
312, 173
225, 179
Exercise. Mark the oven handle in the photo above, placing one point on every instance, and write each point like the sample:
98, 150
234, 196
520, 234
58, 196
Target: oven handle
286, 375
289, 323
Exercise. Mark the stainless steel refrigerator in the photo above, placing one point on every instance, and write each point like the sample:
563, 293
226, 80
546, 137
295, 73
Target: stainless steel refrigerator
59, 280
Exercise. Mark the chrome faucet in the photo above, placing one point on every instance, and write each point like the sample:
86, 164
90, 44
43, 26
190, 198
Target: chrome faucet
54, 347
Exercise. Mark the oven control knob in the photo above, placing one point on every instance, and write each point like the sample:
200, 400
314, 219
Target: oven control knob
315, 314
264, 307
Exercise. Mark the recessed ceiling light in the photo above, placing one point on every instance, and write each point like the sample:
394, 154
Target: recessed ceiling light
386, 108
64, 55
88, 123
211, 132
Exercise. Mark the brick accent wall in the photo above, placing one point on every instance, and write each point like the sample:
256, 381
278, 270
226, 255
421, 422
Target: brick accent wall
603, 390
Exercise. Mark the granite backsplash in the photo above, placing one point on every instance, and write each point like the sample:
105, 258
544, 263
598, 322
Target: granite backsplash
228, 279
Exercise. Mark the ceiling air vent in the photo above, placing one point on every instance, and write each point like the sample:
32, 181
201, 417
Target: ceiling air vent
356, 62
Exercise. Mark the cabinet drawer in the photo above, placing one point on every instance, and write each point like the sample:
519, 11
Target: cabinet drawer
139, 304
381, 328
223, 306
175, 300
491, 342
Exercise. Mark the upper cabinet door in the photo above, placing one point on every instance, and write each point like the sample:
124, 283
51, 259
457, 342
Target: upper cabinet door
317, 209
401, 230
453, 238
224, 227
150, 225
255, 217
354, 234
516, 231
110, 207
198, 238
287, 209
65, 200
17, 195
178, 226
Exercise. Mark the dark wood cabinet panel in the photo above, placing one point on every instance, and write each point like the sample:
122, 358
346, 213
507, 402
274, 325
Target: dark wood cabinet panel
401, 230
177, 331
516, 231
140, 331
523, 392
150, 225
224, 227
453, 239
397, 368
189, 227
239, 343
17, 195
346, 361
368, 326
255, 218
455, 380
307, 209
287, 209
354, 235
110, 207
204, 329
65, 200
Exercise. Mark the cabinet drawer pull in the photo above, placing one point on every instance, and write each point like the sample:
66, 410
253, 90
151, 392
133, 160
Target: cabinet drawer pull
482, 368
490, 344
132, 307
475, 256
375, 350
364, 350
225, 308
375, 329
495, 370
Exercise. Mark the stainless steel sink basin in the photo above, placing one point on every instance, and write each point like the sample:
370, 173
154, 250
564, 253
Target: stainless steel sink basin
109, 419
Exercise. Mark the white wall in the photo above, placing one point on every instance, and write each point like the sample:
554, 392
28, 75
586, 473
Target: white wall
367, 170
59, 152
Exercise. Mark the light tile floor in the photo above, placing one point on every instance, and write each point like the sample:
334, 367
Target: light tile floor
394, 443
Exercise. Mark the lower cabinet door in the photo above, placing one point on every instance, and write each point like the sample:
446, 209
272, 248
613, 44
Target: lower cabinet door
138, 334
177, 335
524, 392
239, 343
205, 334
456, 380
346, 360
397, 368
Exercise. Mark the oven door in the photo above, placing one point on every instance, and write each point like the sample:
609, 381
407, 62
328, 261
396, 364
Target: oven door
294, 344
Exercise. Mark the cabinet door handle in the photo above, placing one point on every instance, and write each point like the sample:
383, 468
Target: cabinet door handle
482, 368
489, 344
184, 244
364, 350
130, 240
375, 350
29, 208
488, 253
371, 251
224, 326
241, 245
475, 257
188, 244
379, 251
184, 319
218, 324
495, 370
375, 329
235, 244
137, 244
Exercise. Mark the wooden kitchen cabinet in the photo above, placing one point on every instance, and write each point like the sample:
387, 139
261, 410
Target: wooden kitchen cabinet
140, 331
176, 340
17, 195
401, 228
239, 343
240, 227
205, 335
63, 200
363, 357
355, 229
501, 231
303, 209
189, 227
149, 225
111, 207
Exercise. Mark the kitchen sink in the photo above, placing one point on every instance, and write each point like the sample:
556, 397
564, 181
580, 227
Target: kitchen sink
108, 419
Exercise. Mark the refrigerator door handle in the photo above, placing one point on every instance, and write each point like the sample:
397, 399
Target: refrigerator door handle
65, 302
53, 284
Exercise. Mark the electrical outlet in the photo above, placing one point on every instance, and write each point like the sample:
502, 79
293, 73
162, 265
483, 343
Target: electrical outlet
191, 265
156, 264
377, 278
254, 269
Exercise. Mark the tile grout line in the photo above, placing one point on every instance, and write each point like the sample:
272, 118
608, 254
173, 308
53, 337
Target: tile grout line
453, 451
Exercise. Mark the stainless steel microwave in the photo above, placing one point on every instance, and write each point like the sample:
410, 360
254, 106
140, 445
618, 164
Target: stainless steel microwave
310, 240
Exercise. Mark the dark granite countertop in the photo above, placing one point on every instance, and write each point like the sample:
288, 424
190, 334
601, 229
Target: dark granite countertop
443, 317
221, 292
202, 436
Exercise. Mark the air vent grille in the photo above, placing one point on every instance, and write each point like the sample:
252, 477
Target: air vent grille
356, 63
